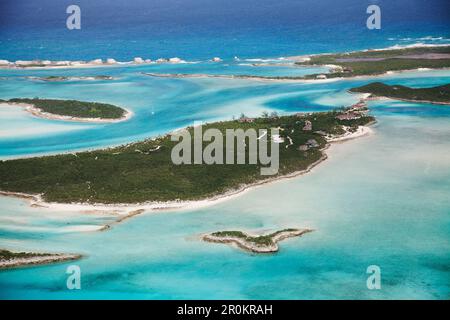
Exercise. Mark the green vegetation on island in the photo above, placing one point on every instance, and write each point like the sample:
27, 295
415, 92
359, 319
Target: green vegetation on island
259, 243
376, 62
10, 259
258, 240
439, 94
8, 255
73, 108
144, 171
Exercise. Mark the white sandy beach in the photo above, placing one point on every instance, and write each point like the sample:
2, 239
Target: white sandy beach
360, 132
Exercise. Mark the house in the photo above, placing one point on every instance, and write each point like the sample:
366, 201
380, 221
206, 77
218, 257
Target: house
246, 120
312, 143
277, 138
308, 126
359, 105
321, 76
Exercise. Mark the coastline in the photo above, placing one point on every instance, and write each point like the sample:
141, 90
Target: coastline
126, 210
360, 132
37, 260
37, 112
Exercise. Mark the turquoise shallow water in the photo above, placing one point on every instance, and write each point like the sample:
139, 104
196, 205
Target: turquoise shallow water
159, 104
382, 199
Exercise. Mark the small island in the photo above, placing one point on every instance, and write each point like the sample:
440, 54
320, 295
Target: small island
143, 172
257, 244
64, 78
71, 110
437, 95
10, 259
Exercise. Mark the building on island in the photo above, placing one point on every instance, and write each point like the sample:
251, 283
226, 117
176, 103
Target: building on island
311, 143
308, 126
277, 138
246, 120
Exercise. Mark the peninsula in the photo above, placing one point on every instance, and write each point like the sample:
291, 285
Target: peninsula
257, 244
71, 110
10, 259
377, 62
437, 95
143, 172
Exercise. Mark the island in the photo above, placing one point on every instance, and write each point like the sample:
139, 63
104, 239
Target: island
377, 62
437, 95
10, 259
143, 172
255, 243
79, 78
71, 110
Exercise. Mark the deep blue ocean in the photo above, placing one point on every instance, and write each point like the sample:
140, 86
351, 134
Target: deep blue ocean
201, 29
